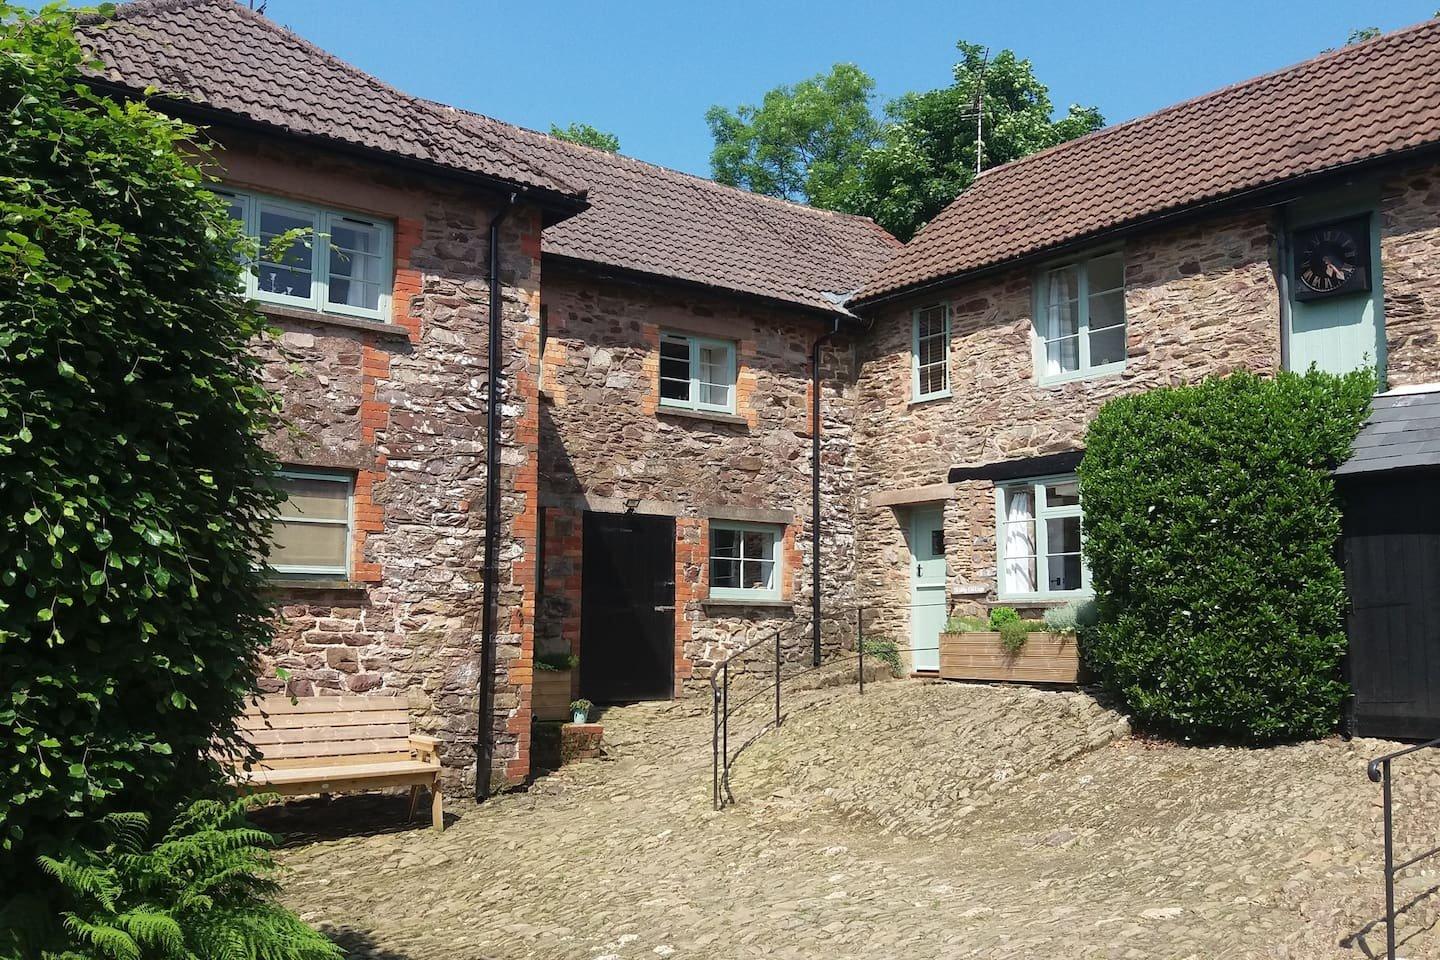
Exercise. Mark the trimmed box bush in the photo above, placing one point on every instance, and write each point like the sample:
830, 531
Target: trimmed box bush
1211, 526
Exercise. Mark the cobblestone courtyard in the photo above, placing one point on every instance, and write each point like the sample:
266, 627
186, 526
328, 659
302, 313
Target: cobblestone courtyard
922, 820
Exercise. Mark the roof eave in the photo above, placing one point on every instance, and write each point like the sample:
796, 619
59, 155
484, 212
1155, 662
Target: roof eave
1263, 195
557, 205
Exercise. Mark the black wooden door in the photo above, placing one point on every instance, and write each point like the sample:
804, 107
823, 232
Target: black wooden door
1392, 573
627, 608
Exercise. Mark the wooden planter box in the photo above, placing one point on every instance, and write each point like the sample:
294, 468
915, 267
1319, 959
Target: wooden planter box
550, 695
1045, 658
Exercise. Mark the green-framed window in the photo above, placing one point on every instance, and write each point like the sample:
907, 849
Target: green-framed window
343, 263
1038, 539
1080, 319
930, 352
745, 560
311, 537
697, 373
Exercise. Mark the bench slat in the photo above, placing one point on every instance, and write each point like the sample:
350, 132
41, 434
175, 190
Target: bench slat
375, 731
347, 760
301, 721
341, 748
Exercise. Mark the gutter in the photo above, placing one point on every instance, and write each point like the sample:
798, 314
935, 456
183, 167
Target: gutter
485, 728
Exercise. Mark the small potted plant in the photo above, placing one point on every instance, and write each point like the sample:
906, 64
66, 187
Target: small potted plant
580, 710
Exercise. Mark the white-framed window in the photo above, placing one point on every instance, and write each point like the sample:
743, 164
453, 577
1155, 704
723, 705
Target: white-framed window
745, 560
311, 536
1038, 539
930, 353
343, 263
697, 373
1080, 319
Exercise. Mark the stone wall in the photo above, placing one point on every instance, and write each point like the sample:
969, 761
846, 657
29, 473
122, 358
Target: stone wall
1409, 242
1199, 300
605, 440
403, 407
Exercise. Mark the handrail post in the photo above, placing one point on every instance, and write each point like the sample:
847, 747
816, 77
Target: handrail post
777, 678
1389, 867
715, 746
725, 731
860, 643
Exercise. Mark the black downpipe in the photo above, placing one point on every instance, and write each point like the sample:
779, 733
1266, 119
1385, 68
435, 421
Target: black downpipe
485, 742
815, 492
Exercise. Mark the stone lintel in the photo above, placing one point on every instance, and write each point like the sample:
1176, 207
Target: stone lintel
749, 514
930, 493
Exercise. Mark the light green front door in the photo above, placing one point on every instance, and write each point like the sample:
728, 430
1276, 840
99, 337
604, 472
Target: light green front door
927, 579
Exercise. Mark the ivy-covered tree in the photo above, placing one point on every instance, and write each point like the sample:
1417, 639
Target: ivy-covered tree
587, 136
135, 495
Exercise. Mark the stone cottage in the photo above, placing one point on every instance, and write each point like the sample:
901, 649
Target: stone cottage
550, 402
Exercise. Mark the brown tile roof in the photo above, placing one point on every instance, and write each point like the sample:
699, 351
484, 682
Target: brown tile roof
1354, 104
670, 224
236, 61
641, 217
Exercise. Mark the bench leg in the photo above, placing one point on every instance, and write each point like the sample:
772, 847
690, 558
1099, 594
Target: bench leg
437, 809
414, 802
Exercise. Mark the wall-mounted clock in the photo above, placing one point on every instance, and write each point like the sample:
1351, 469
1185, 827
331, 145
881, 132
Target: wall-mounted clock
1332, 259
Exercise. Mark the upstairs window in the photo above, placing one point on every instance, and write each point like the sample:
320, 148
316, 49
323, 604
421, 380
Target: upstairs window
697, 373
930, 351
744, 561
311, 536
1038, 539
1080, 319
339, 263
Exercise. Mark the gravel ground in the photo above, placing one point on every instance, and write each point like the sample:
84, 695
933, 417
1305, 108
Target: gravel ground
923, 820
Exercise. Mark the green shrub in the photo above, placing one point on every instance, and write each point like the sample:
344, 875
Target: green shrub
135, 496
203, 889
999, 616
1211, 524
556, 662
884, 651
1013, 634
961, 623
1071, 618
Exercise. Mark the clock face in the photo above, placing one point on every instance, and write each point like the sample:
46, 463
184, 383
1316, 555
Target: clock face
1327, 258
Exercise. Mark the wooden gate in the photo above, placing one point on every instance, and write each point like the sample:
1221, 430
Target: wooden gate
1392, 573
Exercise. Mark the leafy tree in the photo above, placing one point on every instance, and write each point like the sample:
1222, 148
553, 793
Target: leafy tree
203, 889
927, 153
804, 142
586, 135
135, 496
1361, 34
1211, 522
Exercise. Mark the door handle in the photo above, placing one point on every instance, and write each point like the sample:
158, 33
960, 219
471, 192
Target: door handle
664, 608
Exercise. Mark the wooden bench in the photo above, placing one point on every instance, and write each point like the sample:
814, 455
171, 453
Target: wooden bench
339, 745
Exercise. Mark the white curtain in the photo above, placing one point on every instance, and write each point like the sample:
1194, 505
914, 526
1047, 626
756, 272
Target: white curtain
1061, 356
1020, 542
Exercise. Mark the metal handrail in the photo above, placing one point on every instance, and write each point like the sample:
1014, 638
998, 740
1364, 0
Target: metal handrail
1378, 770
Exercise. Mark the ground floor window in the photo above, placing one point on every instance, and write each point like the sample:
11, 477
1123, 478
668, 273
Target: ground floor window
745, 561
311, 536
1038, 538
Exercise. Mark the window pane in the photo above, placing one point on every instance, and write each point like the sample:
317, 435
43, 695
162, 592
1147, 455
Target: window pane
355, 262
674, 369
724, 542
1062, 534
932, 351
756, 574
715, 376
1106, 273
1064, 571
1107, 346
1019, 574
725, 574
289, 273
308, 545
1062, 286
931, 322
1018, 533
234, 208
1062, 356
1062, 493
316, 499
758, 546
932, 379
1107, 310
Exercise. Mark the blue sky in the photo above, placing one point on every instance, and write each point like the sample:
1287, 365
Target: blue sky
648, 69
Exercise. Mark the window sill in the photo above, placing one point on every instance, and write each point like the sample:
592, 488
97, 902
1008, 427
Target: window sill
281, 585
682, 413
917, 401
1095, 373
334, 320
709, 602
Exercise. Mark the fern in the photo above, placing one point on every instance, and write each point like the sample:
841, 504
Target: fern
203, 890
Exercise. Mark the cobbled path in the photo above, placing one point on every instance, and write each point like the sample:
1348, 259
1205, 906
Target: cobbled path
923, 820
